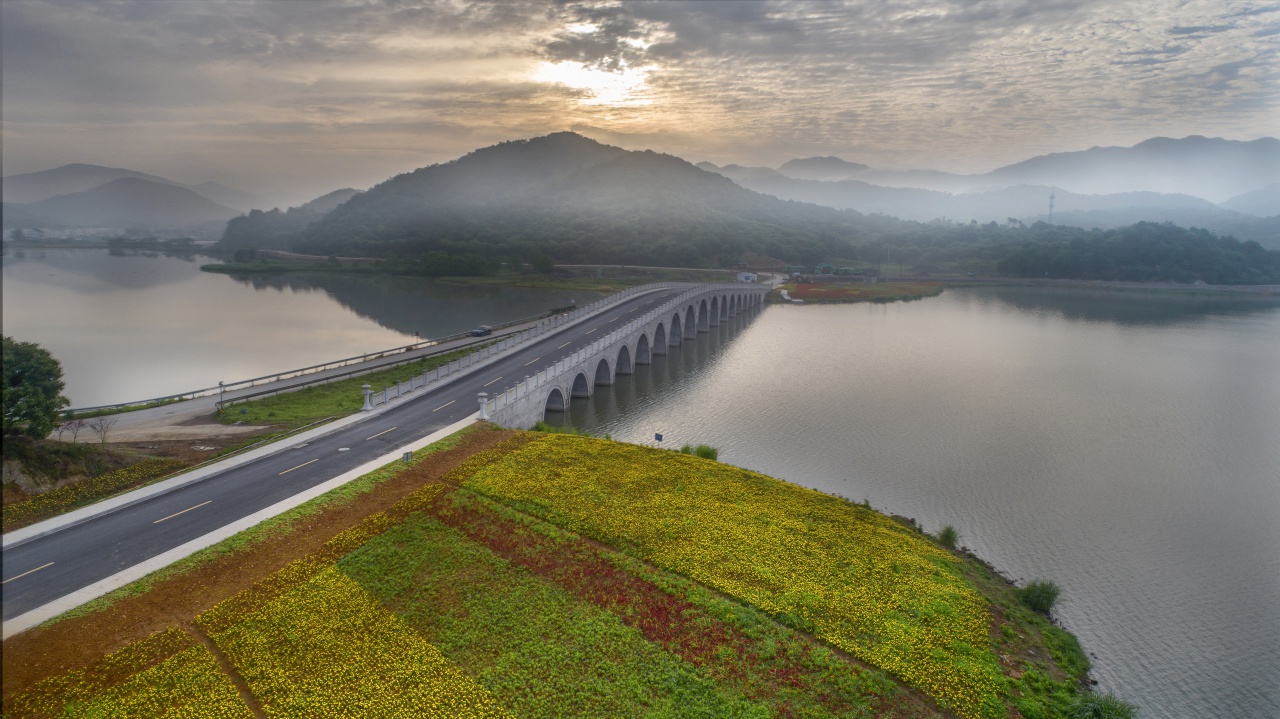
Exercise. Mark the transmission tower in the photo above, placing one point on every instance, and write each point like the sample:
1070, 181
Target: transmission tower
1051, 208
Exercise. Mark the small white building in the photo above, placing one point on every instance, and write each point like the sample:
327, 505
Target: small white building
746, 277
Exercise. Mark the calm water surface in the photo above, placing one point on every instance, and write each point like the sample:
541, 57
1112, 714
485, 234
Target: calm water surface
1125, 446
133, 327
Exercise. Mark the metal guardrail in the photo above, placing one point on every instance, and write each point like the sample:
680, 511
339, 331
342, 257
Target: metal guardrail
521, 389
557, 317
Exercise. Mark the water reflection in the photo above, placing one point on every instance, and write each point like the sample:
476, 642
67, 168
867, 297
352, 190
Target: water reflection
1127, 453
666, 376
1125, 307
420, 306
129, 326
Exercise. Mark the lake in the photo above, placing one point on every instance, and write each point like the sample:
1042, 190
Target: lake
1124, 445
133, 327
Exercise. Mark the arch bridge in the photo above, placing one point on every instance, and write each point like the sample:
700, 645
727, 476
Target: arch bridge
673, 323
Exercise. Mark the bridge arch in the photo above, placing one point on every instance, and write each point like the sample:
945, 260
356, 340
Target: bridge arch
690, 323
624, 360
715, 311
581, 388
643, 355
704, 316
604, 376
660, 340
554, 403
677, 332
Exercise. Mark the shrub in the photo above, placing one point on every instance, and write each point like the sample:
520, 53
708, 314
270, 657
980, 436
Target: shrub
1040, 595
948, 537
706, 451
1102, 706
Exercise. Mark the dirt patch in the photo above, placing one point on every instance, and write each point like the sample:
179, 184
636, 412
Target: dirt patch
75, 643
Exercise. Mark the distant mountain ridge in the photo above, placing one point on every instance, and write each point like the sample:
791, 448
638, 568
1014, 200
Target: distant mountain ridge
132, 202
78, 177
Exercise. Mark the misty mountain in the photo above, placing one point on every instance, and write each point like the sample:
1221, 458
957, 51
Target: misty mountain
1264, 202
1027, 203
273, 229
580, 201
229, 197
822, 168
16, 215
132, 202
1212, 168
68, 179
328, 201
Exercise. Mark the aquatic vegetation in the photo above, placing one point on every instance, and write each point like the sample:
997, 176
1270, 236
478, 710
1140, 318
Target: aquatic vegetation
68, 497
167, 674
1040, 595
852, 577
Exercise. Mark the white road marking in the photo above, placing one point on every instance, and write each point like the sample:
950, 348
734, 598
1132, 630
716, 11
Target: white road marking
495, 379
535, 359
317, 459
32, 571
446, 404
188, 509
378, 434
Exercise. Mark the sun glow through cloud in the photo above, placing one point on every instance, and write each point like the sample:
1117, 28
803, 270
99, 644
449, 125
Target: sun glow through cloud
606, 88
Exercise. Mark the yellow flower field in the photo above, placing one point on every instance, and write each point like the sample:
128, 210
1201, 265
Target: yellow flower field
856, 578
324, 648
167, 675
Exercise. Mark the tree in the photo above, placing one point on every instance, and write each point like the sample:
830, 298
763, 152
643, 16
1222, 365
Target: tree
101, 425
32, 389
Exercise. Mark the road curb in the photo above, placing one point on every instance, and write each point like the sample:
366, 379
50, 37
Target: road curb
63, 604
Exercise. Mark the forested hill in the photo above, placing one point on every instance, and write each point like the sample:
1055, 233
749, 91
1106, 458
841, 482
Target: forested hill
569, 199
578, 201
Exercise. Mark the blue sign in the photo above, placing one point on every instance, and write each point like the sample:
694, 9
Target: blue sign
657, 437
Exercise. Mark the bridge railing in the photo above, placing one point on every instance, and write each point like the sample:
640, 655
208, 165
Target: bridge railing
507, 344
541, 378
551, 321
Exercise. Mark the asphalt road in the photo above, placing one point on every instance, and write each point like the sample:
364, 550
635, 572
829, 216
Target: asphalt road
52, 566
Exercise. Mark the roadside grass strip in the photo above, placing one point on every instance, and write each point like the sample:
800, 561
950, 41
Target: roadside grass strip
851, 576
739, 647
72, 496
541, 651
165, 675
339, 398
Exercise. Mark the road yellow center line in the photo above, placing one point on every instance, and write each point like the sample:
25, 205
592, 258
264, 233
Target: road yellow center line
32, 571
188, 509
317, 459
446, 404
495, 379
378, 434
535, 359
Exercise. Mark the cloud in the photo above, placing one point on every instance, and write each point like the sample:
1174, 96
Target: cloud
267, 92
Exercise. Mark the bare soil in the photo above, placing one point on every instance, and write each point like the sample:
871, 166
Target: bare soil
76, 643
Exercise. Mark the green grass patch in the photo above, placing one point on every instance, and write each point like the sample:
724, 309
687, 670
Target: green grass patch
275, 528
541, 651
336, 399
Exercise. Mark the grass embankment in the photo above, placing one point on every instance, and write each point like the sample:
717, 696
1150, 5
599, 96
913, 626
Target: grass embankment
557, 575
334, 399
858, 292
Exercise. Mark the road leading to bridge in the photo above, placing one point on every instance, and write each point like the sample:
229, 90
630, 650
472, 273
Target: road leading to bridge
49, 567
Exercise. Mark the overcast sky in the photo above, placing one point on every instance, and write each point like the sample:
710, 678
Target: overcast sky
293, 99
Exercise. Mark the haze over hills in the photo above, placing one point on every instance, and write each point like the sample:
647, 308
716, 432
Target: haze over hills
1026, 203
569, 199
131, 202
579, 200
1210, 168
35, 186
